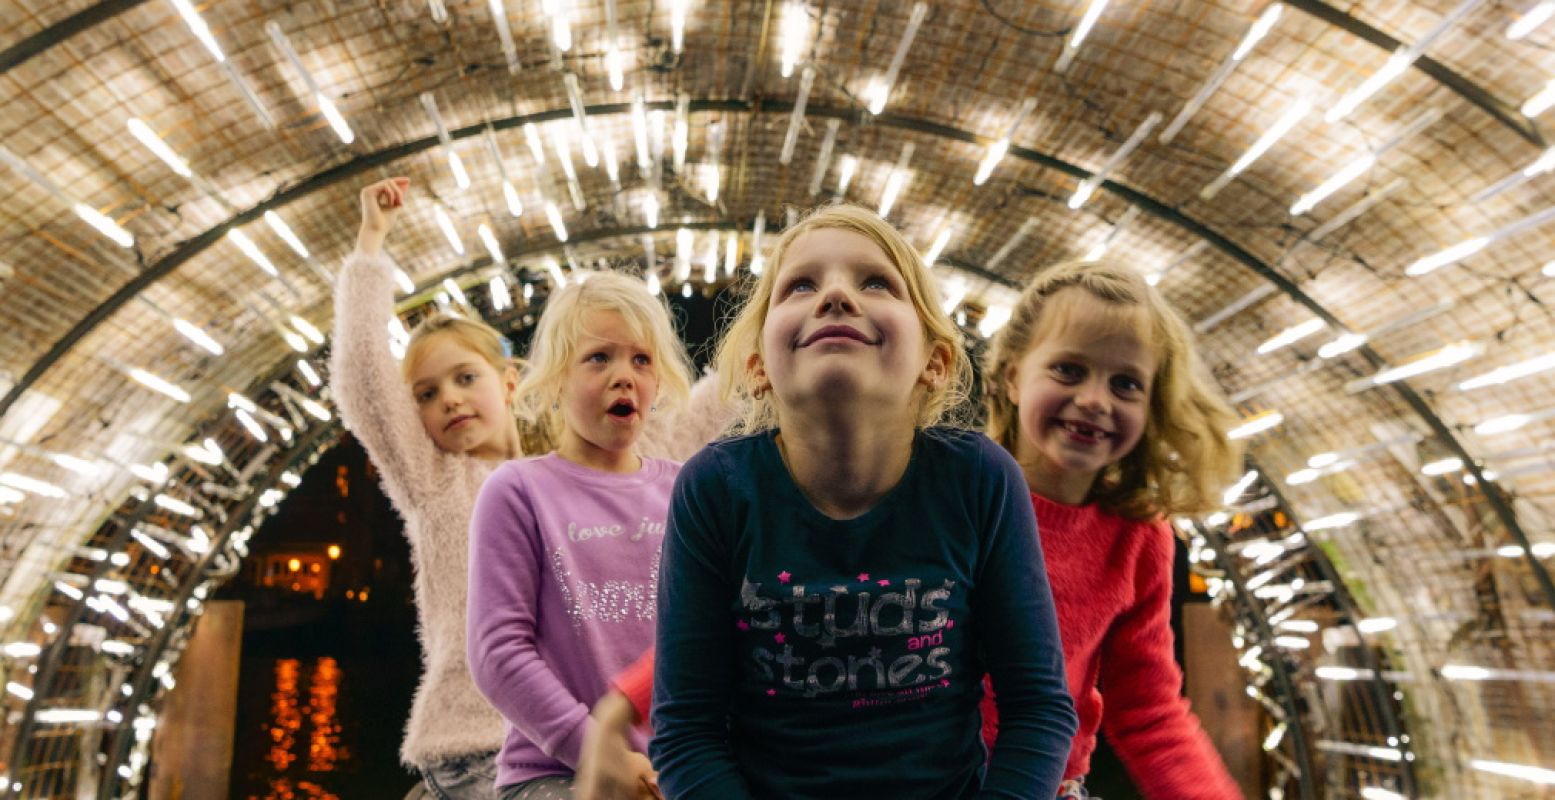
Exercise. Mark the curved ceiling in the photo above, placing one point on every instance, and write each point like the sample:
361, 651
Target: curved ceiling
1197, 147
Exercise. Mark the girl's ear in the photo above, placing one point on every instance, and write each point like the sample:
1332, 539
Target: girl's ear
509, 383
756, 381
937, 371
1012, 385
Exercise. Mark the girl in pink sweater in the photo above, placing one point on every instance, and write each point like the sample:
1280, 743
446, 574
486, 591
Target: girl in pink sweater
434, 425
1095, 387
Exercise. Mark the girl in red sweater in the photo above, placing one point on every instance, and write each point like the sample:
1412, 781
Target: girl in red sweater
1094, 385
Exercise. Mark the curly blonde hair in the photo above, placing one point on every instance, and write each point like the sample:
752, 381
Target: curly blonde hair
556, 342
743, 337
1183, 460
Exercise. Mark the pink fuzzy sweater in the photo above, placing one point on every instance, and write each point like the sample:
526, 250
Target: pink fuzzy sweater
434, 492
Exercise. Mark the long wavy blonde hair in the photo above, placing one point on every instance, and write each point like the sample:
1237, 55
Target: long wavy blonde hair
743, 337
1183, 460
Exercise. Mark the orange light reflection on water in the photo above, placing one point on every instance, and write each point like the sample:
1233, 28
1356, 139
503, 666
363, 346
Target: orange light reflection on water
282, 789
284, 716
286, 719
322, 693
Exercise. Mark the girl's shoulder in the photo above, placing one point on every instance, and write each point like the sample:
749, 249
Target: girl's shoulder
744, 448
960, 449
519, 471
737, 465
551, 470
1147, 542
661, 470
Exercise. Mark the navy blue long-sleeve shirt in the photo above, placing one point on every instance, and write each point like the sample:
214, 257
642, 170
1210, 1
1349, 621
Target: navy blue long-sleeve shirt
802, 656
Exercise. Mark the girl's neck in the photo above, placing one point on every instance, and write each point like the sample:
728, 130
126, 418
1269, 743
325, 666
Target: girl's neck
580, 451
505, 449
1053, 481
845, 470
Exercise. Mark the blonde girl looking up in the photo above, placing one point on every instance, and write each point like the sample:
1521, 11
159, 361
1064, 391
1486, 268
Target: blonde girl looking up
837, 582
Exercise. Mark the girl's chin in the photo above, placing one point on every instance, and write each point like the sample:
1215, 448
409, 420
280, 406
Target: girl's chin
1065, 458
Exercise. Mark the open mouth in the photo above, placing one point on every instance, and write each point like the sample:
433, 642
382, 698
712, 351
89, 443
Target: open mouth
1082, 429
833, 332
622, 409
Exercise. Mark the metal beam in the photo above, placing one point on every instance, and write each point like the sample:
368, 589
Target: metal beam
1283, 680
1381, 690
1475, 94
1460, 85
22, 51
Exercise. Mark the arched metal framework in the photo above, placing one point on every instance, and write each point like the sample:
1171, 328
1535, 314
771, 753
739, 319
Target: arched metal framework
1147, 204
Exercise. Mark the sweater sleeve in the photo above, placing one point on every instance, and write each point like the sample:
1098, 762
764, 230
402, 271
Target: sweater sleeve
505, 569
693, 681
635, 683
1145, 716
374, 402
1014, 608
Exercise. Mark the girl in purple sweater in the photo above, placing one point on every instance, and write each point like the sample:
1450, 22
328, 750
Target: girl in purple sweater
435, 426
564, 549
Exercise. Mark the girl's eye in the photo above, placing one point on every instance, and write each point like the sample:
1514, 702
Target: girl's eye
1127, 386
801, 284
424, 395
877, 282
466, 378
643, 360
1067, 371
595, 358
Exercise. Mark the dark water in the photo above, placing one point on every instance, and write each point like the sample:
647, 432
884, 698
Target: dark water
321, 711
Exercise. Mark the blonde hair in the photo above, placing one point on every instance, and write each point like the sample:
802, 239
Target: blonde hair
556, 342
743, 338
1183, 459
473, 335
484, 341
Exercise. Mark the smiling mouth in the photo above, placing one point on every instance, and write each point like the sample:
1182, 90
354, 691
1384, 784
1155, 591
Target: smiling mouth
457, 421
1082, 429
836, 332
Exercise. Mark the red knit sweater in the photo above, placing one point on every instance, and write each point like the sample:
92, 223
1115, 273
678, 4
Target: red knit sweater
1112, 588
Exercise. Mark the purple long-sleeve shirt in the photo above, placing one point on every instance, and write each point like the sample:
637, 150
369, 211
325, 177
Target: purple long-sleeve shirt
564, 572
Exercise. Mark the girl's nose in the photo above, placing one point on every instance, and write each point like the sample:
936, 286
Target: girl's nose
1093, 396
836, 298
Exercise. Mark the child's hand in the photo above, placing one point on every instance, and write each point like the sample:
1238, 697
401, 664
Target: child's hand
646, 786
608, 768
381, 202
